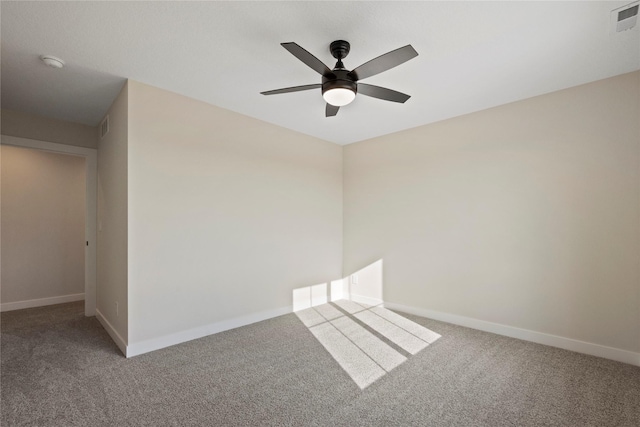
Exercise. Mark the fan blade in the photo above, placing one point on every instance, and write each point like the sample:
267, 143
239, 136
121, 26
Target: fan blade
304, 56
384, 62
292, 89
382, 93
331, 110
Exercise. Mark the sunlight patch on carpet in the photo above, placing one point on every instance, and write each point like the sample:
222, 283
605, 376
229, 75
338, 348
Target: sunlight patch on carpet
362, 338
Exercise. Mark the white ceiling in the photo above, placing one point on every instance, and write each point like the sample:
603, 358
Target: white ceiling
472, 56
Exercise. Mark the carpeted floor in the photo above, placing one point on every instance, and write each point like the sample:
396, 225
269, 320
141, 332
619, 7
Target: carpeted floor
59, 368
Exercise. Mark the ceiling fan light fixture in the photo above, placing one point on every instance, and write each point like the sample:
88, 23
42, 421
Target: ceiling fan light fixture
339, 96
338, 89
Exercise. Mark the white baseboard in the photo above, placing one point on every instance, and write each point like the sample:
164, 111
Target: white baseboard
365, 300
592, 349
135, 349
115, 336
40, 302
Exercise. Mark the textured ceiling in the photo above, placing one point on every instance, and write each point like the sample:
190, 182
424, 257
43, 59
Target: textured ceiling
472, 56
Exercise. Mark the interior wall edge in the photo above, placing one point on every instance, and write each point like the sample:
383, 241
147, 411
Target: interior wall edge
146, 346
25, 125
115, 336
570, 344
40, 302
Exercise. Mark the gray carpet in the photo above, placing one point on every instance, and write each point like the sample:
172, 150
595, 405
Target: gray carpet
59, 368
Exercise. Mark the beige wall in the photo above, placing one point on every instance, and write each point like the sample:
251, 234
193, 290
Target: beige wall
112, 267
227, 214
23, 125
43, 224
525, 215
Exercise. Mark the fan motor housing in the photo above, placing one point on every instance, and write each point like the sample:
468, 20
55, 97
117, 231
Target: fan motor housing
339, 79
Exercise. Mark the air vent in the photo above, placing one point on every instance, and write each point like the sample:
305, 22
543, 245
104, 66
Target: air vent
624, 18
104, 127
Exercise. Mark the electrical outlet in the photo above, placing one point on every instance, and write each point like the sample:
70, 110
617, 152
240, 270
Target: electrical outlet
354, 279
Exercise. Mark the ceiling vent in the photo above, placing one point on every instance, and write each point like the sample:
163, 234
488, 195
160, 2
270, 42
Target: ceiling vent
104, 127
624, 18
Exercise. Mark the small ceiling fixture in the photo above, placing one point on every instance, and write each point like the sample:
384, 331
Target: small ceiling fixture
340, 86
52, 61
624, 18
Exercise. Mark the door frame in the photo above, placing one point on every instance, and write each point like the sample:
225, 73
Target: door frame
91, 185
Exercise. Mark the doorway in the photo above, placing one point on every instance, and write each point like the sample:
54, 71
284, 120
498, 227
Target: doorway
89, 158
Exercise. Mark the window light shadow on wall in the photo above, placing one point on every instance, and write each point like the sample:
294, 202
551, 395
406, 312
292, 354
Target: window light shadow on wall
348, 318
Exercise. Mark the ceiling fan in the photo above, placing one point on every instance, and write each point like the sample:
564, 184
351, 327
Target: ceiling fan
339, 86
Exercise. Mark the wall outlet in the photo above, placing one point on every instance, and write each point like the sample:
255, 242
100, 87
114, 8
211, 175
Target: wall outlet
354, 279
